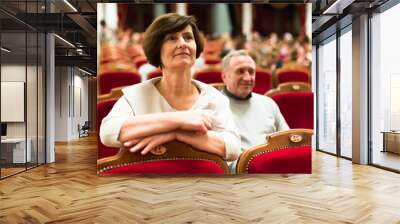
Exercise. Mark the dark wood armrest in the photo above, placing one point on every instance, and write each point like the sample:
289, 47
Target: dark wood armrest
170, 151
289, 87
115, 93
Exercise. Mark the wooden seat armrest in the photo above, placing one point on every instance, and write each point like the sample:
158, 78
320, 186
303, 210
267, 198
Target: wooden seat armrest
276, 141
115, 93
170, 151
289, 87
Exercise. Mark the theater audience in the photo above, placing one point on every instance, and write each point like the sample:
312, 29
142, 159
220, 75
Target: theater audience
272, 52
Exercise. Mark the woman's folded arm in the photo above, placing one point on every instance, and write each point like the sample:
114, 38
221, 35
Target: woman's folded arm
122, 126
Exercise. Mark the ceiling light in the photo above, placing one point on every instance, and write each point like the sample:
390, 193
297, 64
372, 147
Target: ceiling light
5, 50
70, 5
64, 40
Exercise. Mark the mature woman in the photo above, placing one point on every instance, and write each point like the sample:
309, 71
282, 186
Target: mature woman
173, 107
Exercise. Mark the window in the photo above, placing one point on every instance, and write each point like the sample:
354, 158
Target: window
346, 93
22, 75
327, 96
385, 86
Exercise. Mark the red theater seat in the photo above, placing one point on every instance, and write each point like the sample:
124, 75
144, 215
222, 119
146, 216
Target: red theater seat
296, 108
263, 81
171, 158
140, 62
289, 87
110, 80
209, 76
115, 93
285, 152
103, 108
292, 76
212, 61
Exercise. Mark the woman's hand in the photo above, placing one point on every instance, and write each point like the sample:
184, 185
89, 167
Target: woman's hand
148, 143
193, 121
208, 142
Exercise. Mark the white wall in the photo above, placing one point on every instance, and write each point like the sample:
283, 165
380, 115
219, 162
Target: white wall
80, 96
33, 127
50, 95
12, 73
71, 94
61, 103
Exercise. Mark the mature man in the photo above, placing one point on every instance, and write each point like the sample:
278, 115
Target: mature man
255, 115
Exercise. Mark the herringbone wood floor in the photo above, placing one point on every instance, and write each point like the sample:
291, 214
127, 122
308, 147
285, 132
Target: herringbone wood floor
69, 191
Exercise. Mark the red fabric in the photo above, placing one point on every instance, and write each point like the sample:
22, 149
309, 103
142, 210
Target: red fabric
209, 77
122, 14
106, 60
110, 80
103, 108
140, 63
212, 62
263, 82
301, 9
290, 160
293, 76
170, 167
297, 108
154, 74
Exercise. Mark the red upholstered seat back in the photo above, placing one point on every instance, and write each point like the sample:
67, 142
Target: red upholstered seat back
212, 61
296, 108
209, 76
156, 73
169, 167
263, 82
293, 76
108, 81
288, 160
140, 62
103, 108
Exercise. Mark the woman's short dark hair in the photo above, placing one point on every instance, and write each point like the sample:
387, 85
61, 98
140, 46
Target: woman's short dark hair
163, 25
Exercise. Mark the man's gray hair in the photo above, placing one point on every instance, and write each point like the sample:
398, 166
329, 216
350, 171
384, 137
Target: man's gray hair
233, 53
